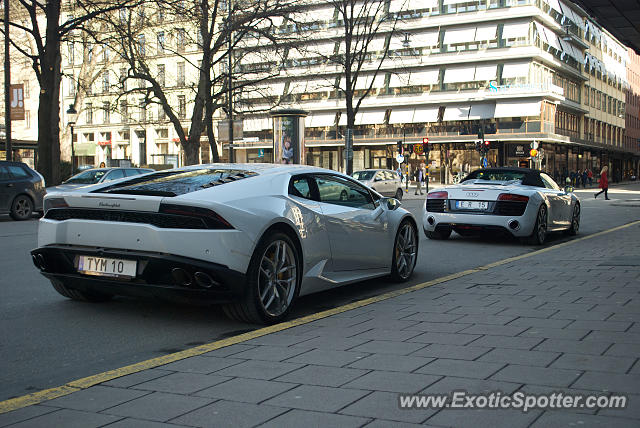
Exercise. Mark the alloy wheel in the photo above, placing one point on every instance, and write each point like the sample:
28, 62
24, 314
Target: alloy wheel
542, 224
277, 278
405, 250
575, 221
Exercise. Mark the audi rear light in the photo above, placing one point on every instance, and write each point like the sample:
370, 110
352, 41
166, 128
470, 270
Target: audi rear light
54, 203
438, 195
512, 197
209, 217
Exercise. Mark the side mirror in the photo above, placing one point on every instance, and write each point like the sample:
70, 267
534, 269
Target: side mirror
390, 204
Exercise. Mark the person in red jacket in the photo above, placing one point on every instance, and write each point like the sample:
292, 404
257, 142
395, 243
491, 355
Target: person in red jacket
604, 183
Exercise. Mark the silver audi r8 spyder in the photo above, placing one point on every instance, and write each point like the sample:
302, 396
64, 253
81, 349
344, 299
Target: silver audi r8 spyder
525, 203
250, 236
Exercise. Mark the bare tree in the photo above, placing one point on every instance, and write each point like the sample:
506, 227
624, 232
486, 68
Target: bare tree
363, 23
45, 25
201, 39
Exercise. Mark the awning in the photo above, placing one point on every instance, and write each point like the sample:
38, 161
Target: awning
400, 5
322, 14
399, 80
456, 112
554, 4
552, 39
486, 72
486, 32
370, 117
425, 77
323, 49
364, 81
459, 35
274, 89
515, 30
426, 114
256, 124
517, 108
482, 111
515, 69
320, 120
424, 39
376, 44
84, 149
401, 115
459, 74
569, 13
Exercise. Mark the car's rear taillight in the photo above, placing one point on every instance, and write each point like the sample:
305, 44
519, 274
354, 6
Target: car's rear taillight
438, 195
50, 203
512, 197
209, 217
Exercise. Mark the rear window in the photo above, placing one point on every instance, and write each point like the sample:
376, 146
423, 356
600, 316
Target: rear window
496, 175
174, 183
88, 177
363, 175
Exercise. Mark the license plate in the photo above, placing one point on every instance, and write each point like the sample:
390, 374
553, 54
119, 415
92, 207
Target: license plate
472, 205
106, 267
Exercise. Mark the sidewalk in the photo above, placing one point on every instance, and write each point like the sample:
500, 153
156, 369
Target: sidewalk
563, 319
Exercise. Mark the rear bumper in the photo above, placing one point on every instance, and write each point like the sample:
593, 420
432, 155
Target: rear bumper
153, 278
481, 222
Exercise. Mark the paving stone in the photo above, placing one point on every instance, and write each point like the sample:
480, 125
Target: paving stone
455, 352
23, 414
393, 382
246, 390
540, 322
383, 334
286, 338
623, 350
398, 363
432, 317
499, 330
532, 313
486, 319
573, 346
548, 390
308, 419
558, 419
631, 411
327, 357
322, 375
537, 375
139, 423
556, 333
335, 343
229, 414
182, 383
614, 336
137, 378
158, 406
383, 423
388, 347
511, 342
96, 398
320, 398
386, 324
594, 363
478, 418
439, 327
68, 419
473, 386
445, 338
519, 356
600, 325
384, 405
461, 368
476, 310
258, 369
229, 350
339, 331
581, 315
270, 353
203, 365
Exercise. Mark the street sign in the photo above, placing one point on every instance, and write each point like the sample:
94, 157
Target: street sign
485, 163
418, 149
17, 102
400, 158
260, 153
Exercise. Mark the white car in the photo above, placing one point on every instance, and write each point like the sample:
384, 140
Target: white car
525, 203
251, 236
383, 181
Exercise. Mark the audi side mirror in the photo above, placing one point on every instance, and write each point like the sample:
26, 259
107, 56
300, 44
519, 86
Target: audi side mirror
390, 204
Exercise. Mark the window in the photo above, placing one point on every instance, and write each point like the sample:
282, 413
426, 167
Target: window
4, 173
299, 186
340, 191
180, 80
72, 86
548, 182
161, 75
182, 107
89, 114
143, 110
123, 78
18, 171
180, 39
160, 42
106, 107
71, 53
114, 175
141, 42
161, 114
124, 113
105, 82
27, 118
105, 54
163, 133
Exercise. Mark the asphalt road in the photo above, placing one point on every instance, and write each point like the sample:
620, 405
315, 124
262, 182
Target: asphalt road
47, 340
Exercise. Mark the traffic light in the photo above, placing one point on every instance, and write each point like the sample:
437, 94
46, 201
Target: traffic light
534, 145
485, 146
481, 134
425, 145
410, 149
400, 148
533, 153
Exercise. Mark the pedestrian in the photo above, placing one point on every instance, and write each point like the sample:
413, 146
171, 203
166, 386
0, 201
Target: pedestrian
419, 176
590, 177
604, 183
102, 165
407, 172
585, 177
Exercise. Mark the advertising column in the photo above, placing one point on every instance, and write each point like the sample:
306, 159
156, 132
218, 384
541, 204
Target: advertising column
288, 136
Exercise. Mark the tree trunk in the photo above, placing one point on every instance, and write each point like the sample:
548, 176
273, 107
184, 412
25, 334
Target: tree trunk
191, 151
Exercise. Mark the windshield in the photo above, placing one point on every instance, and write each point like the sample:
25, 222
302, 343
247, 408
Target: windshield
88, 177
363, 175
495, 175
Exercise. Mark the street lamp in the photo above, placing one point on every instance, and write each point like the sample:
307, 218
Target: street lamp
72, 114
229, 82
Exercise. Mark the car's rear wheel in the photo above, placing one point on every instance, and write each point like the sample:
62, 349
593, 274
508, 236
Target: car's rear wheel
539, 234
405, 252
21, 208
439, 234
84, 296
272, 282
399, 194
575, 221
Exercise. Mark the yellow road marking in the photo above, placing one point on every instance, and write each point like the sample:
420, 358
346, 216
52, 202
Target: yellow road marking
87, 382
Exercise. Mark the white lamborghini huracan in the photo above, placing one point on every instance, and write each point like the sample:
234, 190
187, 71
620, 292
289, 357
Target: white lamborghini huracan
250, 236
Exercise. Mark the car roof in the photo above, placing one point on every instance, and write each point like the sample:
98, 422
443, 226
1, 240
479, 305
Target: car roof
263, 168
5, 162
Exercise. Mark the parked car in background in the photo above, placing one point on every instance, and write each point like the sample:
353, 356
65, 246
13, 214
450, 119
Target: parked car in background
21, 190
98, 175
383, 181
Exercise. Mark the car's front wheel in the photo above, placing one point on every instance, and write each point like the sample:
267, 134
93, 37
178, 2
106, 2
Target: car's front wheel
83, 296
575, 221
272, 282
405, 252
21, 208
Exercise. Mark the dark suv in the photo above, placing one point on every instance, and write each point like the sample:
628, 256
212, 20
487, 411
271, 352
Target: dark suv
21, 190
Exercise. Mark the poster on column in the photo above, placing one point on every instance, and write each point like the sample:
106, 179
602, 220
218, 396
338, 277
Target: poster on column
16, 103
285, 136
